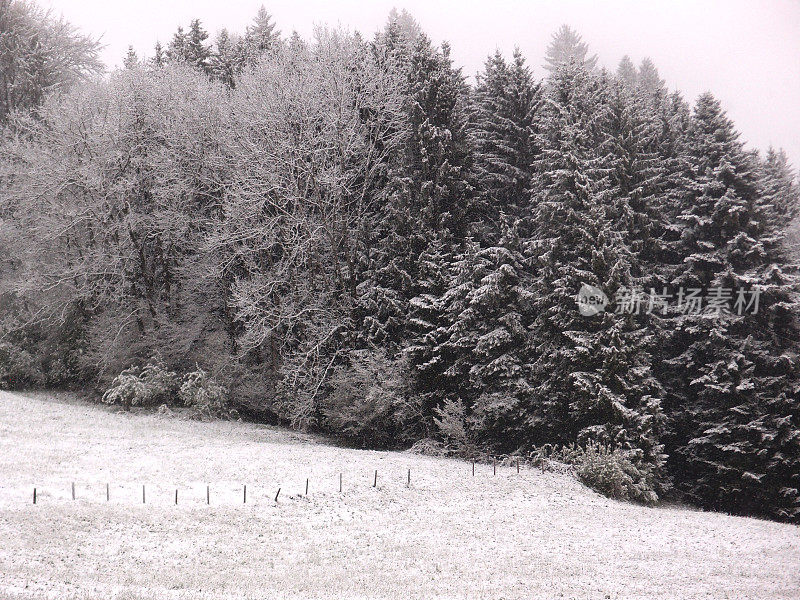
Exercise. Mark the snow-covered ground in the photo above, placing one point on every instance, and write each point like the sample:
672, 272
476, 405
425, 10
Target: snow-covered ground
448, 535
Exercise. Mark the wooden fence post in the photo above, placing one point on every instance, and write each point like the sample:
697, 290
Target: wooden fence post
34, 495
244, 499
375, 483
306, 487
73, 490
208, 494
108, 493
278, 494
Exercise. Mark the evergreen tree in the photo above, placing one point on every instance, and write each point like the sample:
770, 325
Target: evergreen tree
176, 50
131, 60
439, 154
196, 51
591, 376
227, 60
626, 72
566, 46
429, 195
470, 341
638, 176
406, 24
159, 58
735, 437
492, 333
507, 103
261, 36
648, 78
429, 350
779, 187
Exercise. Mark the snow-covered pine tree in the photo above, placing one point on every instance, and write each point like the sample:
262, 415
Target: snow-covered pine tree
636, 170
626, 72
648, 80
158, 59
567, 46
389, 260
648, 130
405, 24
197, 51
429, 193
779, 187
176, 49
429, 350
735, 437
439, 153
261, 36
131, 60
493, 333
471, 343
506, 103
227, 60
591, 375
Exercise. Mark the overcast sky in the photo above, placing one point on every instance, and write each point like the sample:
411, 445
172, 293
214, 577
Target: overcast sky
747, 53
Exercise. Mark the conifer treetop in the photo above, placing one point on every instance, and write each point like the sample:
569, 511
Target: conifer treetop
567, 45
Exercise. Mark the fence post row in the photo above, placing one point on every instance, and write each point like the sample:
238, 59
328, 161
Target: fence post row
244, 486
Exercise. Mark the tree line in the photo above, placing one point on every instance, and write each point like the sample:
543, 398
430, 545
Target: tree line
350, 237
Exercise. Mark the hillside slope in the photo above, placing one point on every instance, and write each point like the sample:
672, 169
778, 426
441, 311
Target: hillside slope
448, 535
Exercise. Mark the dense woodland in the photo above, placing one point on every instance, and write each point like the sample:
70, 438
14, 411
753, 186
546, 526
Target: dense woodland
343, 234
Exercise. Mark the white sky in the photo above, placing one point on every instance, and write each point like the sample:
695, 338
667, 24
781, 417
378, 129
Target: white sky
747, 53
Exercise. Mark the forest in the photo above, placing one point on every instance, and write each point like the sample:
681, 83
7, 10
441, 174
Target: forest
349, 235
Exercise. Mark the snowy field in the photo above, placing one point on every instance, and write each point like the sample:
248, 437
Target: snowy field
448, 535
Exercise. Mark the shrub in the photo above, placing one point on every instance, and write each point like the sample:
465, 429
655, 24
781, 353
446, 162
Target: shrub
429, 447
127, 389
201, 392
609, 471
368, 400
18, 368
162, 385
147, 386
451, 425
613, 474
